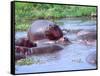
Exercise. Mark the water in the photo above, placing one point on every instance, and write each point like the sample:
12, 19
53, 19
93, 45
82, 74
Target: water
72, 57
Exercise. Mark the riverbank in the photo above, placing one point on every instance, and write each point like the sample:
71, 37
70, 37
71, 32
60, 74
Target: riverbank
24, 25
25, 13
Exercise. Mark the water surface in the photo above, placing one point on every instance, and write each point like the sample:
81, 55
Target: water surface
72, 57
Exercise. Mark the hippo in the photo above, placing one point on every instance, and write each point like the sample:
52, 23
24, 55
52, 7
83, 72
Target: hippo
87, 37
91, 58
23, 52
63, 41
24, 42
44, 29
39, 30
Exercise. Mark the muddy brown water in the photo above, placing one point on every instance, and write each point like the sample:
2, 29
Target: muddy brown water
73, 56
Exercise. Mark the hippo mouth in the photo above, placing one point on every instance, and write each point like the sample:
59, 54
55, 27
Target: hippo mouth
53, 33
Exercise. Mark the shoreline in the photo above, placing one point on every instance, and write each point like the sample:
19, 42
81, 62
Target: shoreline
25, 25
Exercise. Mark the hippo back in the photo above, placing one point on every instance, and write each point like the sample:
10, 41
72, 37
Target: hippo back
39, 29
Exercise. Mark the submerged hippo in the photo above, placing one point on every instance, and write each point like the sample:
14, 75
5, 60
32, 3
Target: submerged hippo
39, 30
87, 37
23, 52
91, 58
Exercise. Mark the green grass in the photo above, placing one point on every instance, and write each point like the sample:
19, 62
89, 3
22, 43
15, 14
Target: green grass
25, 13
28, 61
22, 27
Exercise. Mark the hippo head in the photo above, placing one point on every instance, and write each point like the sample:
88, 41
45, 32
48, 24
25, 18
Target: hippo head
53, 32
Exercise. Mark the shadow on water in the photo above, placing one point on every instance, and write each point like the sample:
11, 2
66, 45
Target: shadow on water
72, 57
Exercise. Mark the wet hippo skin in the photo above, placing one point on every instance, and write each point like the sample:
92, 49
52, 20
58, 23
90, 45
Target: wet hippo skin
24, 42
63, 41
42, 29
39, 30
88, 37
23, 52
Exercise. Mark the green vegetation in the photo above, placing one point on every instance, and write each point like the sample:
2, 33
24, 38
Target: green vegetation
28, 61
25, 13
